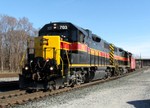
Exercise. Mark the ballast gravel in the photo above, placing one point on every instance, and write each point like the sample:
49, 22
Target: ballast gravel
128, 92
9, 79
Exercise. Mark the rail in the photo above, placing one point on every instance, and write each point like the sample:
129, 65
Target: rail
12, 98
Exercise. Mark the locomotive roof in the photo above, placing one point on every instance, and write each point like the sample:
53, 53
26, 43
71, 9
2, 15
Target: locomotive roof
68, 23
81, 29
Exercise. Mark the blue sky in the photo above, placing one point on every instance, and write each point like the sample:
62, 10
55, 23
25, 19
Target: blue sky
125, 23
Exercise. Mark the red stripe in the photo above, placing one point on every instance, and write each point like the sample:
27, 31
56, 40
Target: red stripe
83, 47
74, 46
64, 45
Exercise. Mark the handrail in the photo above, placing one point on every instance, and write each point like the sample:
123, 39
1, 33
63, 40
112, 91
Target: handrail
23, 57
68, 61
62, 66
62, 63
67, 57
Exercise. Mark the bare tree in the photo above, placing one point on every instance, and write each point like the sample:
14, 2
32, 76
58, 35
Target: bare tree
14, 34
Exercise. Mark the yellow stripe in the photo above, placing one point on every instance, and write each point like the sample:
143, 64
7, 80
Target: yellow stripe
111, 48
112, 51
112, 45
111, 54
79, 65
111, 60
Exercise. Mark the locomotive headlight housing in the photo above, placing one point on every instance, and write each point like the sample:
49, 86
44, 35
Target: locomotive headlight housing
31, 61
26, 68
51, 68
47, 60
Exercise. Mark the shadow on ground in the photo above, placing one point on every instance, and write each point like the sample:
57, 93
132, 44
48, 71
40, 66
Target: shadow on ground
140, 103
8, 86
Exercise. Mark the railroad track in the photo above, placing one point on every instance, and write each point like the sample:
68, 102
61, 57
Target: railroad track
11, 98
8, 83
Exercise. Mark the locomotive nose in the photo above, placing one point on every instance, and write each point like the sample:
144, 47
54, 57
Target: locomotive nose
48, 47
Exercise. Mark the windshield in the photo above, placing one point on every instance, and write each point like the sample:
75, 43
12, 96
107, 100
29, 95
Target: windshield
58, 32
64, 30
62, 33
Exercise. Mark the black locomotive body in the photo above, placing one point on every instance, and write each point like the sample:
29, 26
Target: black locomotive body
65, 55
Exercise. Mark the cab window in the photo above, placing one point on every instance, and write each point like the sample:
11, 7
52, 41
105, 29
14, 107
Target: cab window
81, 37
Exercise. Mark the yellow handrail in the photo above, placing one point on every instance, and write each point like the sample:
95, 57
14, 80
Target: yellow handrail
68, 62
23, 57
67, 57
62, 64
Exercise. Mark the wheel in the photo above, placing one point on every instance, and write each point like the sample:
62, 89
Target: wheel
121, 71
51, 85
108, 75
79, 78
87, 77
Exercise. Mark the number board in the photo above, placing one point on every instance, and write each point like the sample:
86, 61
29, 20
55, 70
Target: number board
58, 27
63, 27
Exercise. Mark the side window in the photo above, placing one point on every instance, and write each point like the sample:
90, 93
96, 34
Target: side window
115, 51
96, 38
81, 37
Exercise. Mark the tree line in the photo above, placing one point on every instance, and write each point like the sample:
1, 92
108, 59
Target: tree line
14, 34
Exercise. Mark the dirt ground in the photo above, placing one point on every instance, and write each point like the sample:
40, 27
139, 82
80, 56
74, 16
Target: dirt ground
7, 75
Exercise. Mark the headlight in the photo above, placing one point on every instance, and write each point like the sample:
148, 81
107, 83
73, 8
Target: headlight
26, 68
51, 68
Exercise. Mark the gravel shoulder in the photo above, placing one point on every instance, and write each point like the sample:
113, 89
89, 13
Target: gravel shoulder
128, 92
9, 79
8, 75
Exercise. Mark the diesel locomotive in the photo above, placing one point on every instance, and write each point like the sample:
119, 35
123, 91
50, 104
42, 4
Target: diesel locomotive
65, 55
